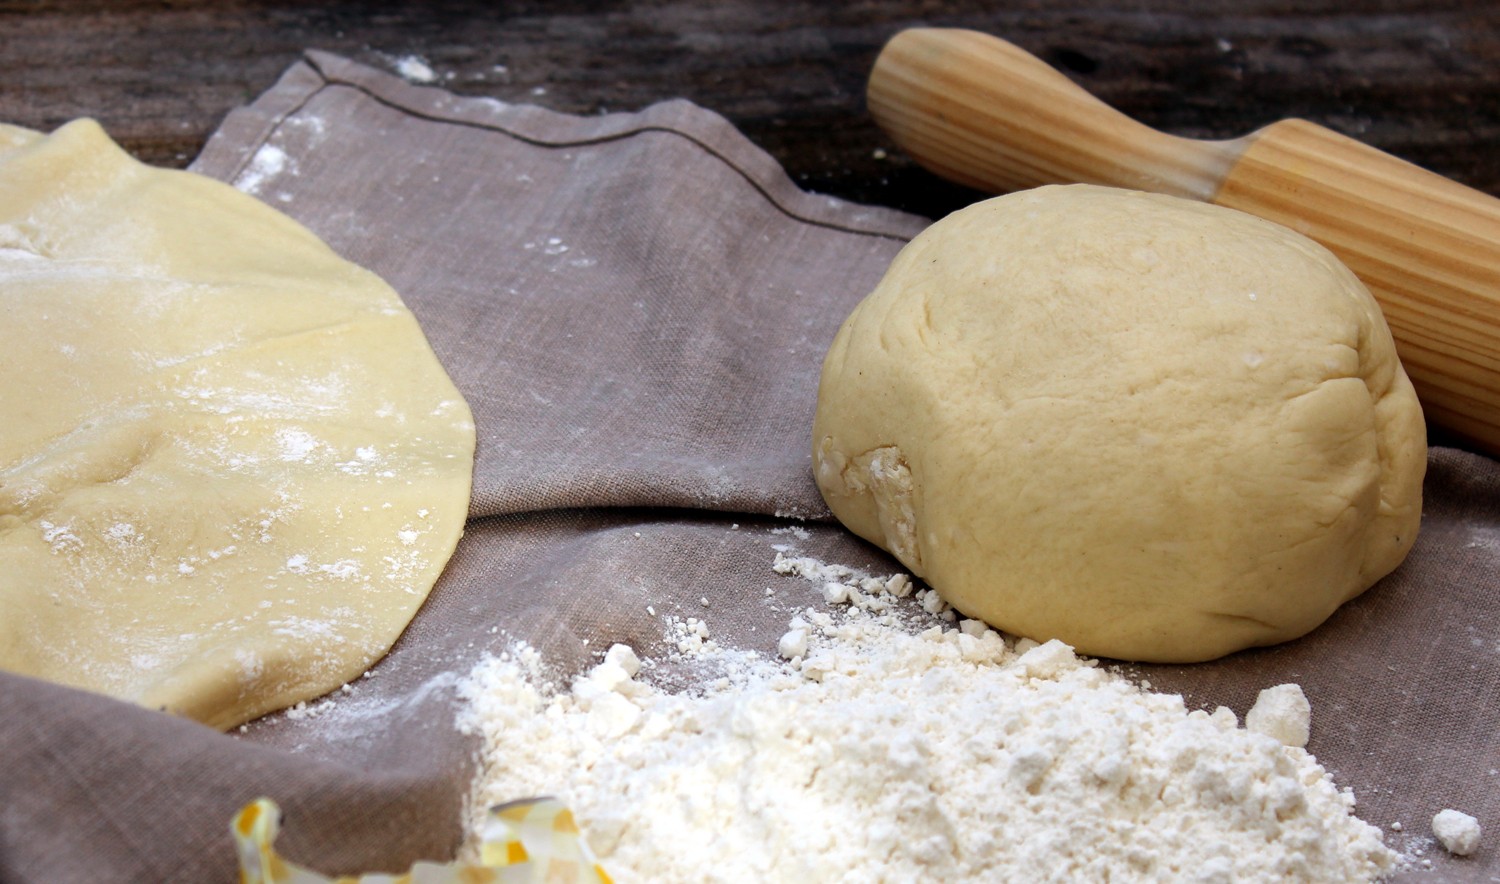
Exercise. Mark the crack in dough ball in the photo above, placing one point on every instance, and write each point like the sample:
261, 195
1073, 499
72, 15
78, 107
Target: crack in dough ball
1156, 429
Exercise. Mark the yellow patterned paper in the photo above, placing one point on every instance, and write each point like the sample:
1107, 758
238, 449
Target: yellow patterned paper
535, 841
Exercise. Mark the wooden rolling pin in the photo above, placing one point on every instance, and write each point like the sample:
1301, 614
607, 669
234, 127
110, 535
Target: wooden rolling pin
982, 112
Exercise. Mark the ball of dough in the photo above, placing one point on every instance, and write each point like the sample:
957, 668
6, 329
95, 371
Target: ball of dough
1156, 429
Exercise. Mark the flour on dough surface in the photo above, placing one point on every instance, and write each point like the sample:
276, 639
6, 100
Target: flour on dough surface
231, 467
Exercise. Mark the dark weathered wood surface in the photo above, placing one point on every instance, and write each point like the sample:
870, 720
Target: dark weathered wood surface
1421, 80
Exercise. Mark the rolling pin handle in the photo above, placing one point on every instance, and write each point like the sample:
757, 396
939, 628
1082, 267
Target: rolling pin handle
985, 113
988, 114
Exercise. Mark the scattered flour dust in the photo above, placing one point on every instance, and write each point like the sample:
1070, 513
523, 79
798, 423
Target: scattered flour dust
889, 745
268, 162
415, 69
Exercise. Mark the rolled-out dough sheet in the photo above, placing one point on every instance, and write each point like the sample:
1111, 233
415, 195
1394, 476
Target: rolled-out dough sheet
231, 467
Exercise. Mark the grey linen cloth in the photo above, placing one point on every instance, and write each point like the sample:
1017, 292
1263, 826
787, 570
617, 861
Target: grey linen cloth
636, 307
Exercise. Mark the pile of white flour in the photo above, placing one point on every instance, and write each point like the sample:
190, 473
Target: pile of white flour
887, 750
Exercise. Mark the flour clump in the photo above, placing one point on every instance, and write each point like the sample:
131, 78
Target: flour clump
1155, 429
1283, 714
1456, 831
893, 747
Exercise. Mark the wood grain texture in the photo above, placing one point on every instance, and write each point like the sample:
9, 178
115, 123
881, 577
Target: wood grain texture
1418, 79
973, 107
1428, 248
980, 110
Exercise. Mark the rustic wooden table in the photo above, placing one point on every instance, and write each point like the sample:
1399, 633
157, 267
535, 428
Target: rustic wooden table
1418, 79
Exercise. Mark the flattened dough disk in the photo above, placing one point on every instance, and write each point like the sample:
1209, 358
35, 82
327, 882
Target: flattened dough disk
231, 467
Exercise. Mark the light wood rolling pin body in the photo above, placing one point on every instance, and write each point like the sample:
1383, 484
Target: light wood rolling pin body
982, 112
